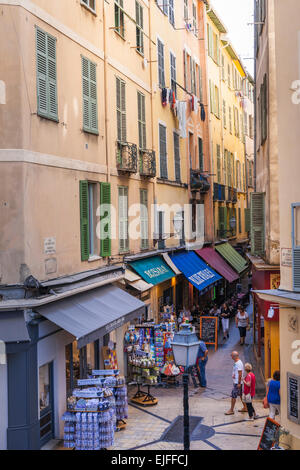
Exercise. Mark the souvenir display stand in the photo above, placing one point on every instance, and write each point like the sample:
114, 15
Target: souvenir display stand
148, 347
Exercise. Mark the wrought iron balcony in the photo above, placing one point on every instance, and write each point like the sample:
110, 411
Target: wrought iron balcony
226, 233
219, 192
147, 163
231, 194
199, 182
126, 157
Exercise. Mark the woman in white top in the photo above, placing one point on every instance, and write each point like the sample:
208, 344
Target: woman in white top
242, 322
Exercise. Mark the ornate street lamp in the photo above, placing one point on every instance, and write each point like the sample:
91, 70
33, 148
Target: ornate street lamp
185, 349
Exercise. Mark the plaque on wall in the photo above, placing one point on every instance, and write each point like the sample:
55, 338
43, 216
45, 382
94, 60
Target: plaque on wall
293, 392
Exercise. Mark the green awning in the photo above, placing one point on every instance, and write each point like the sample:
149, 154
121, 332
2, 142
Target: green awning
153, 270
232, 256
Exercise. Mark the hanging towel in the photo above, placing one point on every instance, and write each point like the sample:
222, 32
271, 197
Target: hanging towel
202, 112
181, 114
173, 102
164, 96
196, 104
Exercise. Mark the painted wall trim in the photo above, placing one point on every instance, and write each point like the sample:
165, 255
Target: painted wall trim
126, 72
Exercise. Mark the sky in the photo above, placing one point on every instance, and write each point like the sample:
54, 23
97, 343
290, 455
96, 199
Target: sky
235, 14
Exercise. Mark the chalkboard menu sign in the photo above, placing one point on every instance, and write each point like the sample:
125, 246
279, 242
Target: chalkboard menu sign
268, 437
293, 386
209, 330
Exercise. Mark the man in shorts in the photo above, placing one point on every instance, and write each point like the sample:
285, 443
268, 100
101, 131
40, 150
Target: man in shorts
237, 376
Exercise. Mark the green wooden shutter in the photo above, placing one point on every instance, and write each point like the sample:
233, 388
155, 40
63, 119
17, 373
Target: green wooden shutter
177, 156
219, 163
247, 220
257, 223
222, 221
123, 108
46, 75
89, 93
84, 220
144, 219
105, 221
240, 220
123, 219
163, 151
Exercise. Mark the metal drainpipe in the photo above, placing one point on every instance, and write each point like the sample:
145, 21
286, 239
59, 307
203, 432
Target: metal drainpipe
254, 93
153, 228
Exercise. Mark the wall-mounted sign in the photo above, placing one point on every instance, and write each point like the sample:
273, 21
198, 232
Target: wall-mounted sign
293, 393
50, 246
286, 257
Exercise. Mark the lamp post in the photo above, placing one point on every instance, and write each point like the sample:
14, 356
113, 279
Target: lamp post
185, 349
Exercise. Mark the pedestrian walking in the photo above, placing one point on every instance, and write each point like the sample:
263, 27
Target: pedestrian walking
249, 391
225, 316
202, 358
242, 323
273, 394
237, 376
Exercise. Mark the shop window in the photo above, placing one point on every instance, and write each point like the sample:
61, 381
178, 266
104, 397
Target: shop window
80, 363
46, 403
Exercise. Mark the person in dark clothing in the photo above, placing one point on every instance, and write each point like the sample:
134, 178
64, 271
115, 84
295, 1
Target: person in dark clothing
225, 316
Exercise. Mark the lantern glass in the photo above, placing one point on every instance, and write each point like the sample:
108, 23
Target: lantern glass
185, 347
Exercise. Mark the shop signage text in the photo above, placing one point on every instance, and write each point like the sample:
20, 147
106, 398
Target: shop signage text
201, 276
156, 272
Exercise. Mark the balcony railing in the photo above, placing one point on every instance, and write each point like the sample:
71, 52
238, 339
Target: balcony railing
126, 157
147, 163
219, 192
199, 182
231, 194
226, 233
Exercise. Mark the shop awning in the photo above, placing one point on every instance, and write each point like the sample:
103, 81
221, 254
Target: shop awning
93, 314
13, 327
232, 256
211, 257
153, 270
195, 270
136, 282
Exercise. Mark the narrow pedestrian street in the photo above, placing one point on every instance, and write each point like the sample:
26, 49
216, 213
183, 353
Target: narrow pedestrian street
160, 426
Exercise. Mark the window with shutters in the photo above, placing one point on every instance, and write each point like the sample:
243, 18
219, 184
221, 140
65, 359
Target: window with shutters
230, 119
224, 114
200, 153
173, 73
89, 92
210, 41
200, 87
216, 50
123, 219
217, 102
177, 156
225, 167
163, 5
222, 221
90, 4
229, 169
161, 230
245, 123
161, 64
186, 9
223, 67
46, 75
144, 219
142, 121
240, 220
257, 223
139, 14
296, 246
219, 164
121, 110
185, 60
171, 12
247, 220
232, 170
163, 151
119, 18
263, 103
193, 87
195, 29
229, 75
91, 195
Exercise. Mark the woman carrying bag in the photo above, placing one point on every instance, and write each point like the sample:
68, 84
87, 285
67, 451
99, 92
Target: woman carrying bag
249, 392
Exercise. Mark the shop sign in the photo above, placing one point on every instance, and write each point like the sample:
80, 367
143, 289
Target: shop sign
201, 276
293, 385
286, 257
114, 325
50, 246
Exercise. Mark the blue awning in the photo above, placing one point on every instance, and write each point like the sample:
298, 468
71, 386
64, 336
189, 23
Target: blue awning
153, 270
195, 270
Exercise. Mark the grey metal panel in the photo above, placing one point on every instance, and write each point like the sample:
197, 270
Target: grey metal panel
90, 315
13, 327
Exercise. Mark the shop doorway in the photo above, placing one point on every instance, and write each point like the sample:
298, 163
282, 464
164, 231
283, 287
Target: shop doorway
168, 296
46, 403
179, 296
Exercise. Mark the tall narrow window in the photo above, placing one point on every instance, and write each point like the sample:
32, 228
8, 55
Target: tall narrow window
186, 9
171, 12
142, 121
230, 119
177, 156
121, 110
119, 18
123, 219
173, 73
139, 28
257, 223
224, 114
200, 85
46, 75
195, 29
200, 153
219, 163
161, 64
163, 151
89, 3
144, 219
89, 90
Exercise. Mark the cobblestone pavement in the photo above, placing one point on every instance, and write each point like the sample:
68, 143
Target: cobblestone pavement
147, 428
